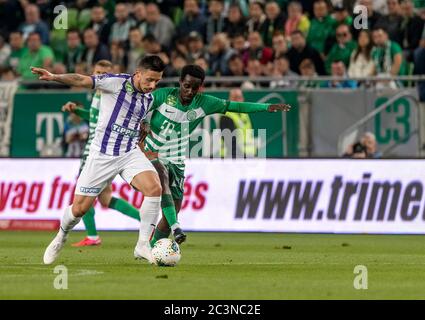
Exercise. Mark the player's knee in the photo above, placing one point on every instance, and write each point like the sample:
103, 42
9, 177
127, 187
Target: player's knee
154, 190
104, 201
79, 209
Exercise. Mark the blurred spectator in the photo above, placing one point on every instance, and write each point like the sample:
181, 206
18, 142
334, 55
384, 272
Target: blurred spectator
5, 51
236, 66
119, 56
236, 23
177, 65
257, 18
274, 23
342, 50
203, 63
196, 48
16, 42
300, 50
307, 69
392, 21
76, 132
281, 70
151, 45
338, 70
239, 44
409, 27
254, 70
280, 45
95, 50
257, 49
11, 15
192, 20
341, 15
136, 49
33, 23
369, 141
74, 50
216, 21
356, 151
99, 23
220, 53
242, 4
322, 26
122, 25
7, 74
34, 55
59, 68
296, 19
387, 56
159, 25
140, 14
361, 62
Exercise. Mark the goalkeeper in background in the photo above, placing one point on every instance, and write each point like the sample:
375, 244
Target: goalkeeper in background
174, 115
105, 197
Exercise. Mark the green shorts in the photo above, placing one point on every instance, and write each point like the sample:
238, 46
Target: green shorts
175, 179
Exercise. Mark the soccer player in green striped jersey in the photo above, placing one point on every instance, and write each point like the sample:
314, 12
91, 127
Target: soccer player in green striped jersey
105, 197
174, 115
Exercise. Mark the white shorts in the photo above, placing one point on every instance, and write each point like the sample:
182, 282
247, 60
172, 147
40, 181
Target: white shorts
101, 169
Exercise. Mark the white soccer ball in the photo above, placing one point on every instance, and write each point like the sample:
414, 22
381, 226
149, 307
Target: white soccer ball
166, 252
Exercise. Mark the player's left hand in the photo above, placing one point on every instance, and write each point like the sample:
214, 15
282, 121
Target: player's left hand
279, 107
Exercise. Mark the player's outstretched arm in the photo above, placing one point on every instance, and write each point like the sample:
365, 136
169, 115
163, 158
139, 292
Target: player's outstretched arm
250, 107
77, 108
70, 79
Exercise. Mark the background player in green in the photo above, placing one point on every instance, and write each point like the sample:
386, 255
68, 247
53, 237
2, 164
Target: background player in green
174, 115
105, 198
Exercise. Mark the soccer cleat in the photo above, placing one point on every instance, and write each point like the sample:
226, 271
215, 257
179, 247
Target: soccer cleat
53, 250
87, 242
179, 235
144, 252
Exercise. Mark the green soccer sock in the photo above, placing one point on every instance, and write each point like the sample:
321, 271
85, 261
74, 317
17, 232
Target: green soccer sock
89, 222
124, 207
159, 235
168, 209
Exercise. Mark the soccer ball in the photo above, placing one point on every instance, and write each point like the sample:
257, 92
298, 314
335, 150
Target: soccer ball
166, 252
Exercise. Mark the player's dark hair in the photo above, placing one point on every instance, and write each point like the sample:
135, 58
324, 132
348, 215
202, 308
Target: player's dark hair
194, 71
153, 63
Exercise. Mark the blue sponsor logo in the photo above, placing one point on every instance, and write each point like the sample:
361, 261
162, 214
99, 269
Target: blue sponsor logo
124, 131
89, 190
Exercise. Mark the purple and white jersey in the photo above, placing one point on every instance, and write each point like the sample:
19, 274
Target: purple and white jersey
122, 107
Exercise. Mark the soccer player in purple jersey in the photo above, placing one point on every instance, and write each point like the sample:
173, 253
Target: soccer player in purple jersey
124, 103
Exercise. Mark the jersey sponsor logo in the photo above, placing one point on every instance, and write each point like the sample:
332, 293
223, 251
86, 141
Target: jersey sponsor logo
191, 115
171, 100
169, 111
129, 88
124, 131
89, 190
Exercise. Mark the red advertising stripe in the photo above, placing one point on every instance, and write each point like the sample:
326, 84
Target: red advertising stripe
30, 225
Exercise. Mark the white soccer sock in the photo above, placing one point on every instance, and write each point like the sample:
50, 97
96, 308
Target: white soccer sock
149, 212
175, 226
68, 222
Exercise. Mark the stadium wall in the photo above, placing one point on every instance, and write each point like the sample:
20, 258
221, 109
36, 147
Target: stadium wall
326, 195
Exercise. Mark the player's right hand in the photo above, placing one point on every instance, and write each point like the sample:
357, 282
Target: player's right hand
43, 74
69, 107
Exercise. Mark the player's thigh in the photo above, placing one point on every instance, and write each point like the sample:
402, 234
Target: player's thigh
98, 172
105, 196
139, 172
163, 176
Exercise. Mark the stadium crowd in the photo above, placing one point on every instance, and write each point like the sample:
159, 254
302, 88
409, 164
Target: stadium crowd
279, 38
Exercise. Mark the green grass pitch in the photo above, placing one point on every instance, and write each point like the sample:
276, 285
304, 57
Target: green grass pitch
219, 266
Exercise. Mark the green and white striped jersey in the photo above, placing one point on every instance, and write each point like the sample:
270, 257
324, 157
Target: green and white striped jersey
93, 117
172, 123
